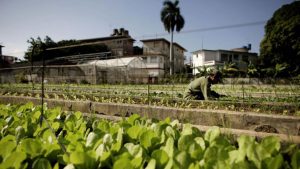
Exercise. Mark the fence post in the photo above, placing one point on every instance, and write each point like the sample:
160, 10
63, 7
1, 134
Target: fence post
148, 90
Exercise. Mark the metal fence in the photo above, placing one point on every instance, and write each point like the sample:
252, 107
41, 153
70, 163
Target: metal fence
130, 70
125, 78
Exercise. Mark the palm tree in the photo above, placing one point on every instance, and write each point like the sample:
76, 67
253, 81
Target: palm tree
171, 18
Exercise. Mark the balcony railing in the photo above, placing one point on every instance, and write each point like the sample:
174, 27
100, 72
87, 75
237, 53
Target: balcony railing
213, 62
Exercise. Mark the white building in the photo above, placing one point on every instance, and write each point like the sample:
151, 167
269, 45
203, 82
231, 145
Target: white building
214, 58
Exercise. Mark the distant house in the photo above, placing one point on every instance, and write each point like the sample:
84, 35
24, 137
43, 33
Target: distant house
9, 59
119, 42
155, 52
5, 59
216, 58
149, 63
156, 56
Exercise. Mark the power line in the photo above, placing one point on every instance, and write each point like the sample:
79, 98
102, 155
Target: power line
182, 32
207, 29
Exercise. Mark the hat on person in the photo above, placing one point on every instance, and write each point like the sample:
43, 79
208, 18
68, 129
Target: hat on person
216, 73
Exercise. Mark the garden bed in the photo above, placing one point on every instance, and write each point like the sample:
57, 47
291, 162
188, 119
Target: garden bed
288, 106
64, 139
223, 118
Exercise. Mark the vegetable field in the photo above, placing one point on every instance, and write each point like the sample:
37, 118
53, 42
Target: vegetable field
58, 139
32, 137
271, 99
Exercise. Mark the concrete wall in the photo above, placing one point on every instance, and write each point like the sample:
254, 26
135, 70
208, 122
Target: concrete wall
260, 81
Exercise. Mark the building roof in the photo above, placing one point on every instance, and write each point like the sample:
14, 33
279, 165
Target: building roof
202, 50
164, 40
222, 50
136, 62
106, 38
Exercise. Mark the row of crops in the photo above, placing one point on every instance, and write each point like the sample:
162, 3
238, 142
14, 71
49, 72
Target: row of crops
31, 138
169, 89
286, 103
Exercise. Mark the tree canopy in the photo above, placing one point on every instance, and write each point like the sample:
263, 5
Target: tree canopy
171, 16
38, 47
281, 43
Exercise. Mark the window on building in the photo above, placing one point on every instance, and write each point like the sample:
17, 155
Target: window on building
245, 58
146, 50
155, 44
235, 57
230, 58
90, 70
224, 57
153, 59
144, 59
120, 53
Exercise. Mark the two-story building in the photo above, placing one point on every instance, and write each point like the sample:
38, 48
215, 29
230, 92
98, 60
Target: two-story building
156, 53
215, 58
120, 43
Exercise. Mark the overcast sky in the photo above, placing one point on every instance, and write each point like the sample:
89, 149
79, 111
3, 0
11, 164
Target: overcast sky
209, 24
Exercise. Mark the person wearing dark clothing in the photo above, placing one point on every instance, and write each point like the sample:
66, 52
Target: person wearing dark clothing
200, 88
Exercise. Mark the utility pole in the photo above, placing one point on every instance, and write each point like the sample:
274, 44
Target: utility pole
1, 59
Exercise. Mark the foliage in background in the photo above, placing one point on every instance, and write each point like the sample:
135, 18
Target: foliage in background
230, 70
252, 70
281, 44
38, 46
203, 71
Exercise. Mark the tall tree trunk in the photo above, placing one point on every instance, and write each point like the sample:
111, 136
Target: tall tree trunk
171, 55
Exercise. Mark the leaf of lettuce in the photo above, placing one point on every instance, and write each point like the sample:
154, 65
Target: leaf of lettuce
212, 133
134, 150
296, 160
137, 162
122, 163
7, 147
273, 162
32, 147
257, 153
169, 147
271, 144
161, 157
134, 131
82, 160
131, 120
244, 142
14, 160
185, 141
148, 139
187, 129
183, 159
92, 139
151, 164
41, 163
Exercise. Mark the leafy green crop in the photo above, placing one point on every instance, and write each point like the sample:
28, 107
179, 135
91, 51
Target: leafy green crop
69, 140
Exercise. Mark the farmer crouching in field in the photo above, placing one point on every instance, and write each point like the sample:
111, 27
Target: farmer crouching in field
199, 89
